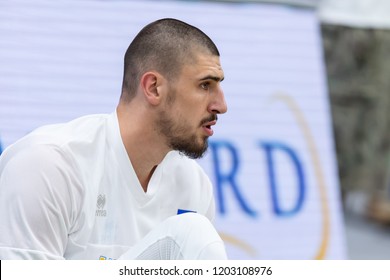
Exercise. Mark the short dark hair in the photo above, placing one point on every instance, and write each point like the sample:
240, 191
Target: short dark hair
163, 45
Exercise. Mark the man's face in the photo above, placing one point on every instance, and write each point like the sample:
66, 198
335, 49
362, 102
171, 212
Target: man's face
196, 98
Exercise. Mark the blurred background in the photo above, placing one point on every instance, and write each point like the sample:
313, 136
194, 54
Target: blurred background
300, 164
356, 43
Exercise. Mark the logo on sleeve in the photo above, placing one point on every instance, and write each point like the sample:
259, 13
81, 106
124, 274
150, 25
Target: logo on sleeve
101, 202
182, 211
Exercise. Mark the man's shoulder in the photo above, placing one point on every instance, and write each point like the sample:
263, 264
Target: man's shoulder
82, 129
61, 139
179, 160
184, 168
78, 128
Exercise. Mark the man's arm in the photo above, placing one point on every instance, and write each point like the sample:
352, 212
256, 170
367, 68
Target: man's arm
35, 204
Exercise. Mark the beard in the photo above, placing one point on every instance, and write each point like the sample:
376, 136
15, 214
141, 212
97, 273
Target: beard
178, 138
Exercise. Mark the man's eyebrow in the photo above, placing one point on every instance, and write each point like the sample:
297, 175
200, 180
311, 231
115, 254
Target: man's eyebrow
214, 78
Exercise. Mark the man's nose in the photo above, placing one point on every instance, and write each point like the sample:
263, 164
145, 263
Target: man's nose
218, 104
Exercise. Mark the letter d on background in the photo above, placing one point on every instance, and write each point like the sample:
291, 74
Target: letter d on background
270, 149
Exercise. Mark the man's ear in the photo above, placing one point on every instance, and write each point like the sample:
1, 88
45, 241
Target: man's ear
151, 83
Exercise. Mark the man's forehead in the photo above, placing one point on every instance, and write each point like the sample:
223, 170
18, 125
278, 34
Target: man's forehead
206, 65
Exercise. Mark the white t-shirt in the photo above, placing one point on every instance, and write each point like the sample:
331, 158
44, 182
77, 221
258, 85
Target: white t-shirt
70, 191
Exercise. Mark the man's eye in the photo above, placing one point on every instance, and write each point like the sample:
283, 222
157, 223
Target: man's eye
205, 86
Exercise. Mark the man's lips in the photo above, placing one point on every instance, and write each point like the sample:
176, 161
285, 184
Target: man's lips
210, 123
207, 127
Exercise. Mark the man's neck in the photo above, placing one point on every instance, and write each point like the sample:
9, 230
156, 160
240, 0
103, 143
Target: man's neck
143, 145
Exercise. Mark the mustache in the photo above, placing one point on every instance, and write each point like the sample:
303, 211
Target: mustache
211, 118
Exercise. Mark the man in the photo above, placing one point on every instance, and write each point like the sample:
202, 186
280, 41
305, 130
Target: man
113, 186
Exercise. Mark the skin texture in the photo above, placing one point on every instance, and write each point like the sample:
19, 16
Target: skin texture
175, 114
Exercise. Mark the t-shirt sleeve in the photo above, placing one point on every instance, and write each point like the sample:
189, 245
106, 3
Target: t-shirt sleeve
35, 204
